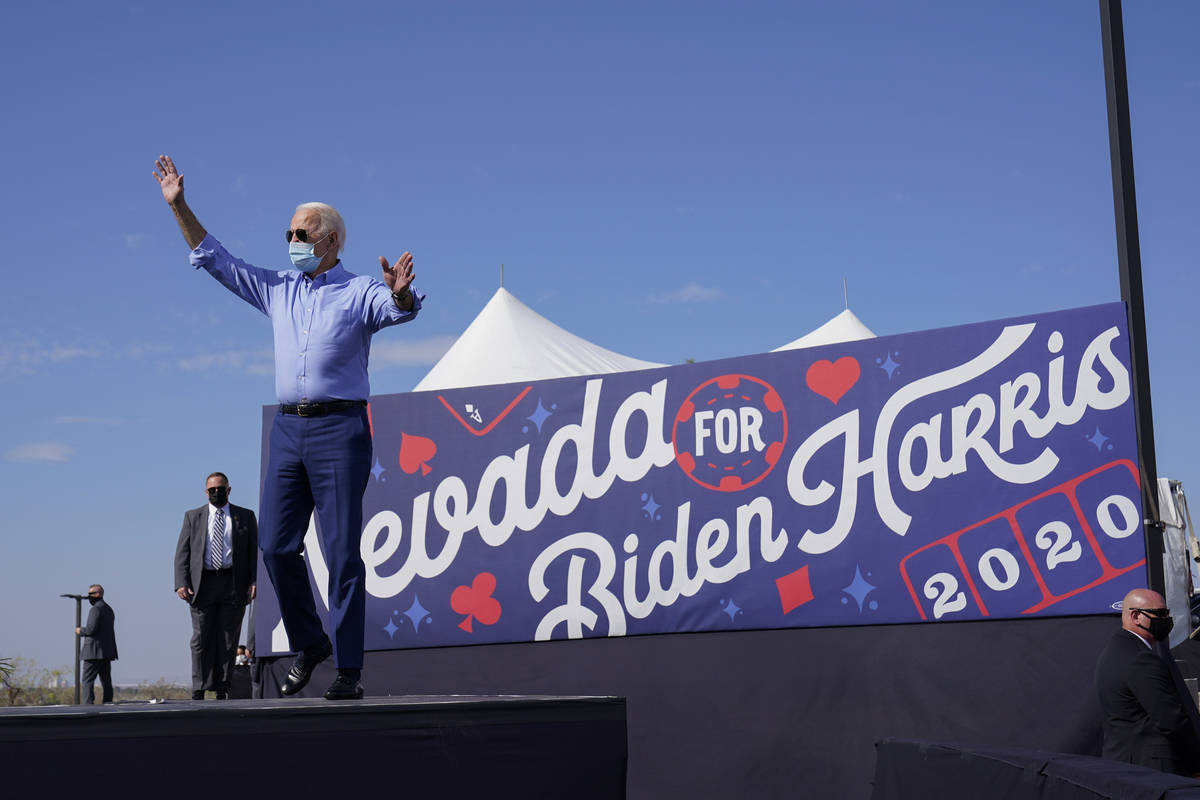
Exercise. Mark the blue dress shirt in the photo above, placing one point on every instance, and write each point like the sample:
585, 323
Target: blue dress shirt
323, 325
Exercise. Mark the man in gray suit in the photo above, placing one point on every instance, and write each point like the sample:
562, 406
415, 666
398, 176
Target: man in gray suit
216, 569
99, 646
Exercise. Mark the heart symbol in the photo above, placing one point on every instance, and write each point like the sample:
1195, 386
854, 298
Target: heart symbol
476, 601
415, 452
832, 379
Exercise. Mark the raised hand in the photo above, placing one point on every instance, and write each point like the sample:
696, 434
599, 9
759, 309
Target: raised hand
399, 275
170, 180
172, 188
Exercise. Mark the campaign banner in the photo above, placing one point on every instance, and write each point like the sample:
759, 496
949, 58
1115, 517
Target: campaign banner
982, 471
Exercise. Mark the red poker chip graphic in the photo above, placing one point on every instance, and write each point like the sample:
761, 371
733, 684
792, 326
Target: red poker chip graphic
729, 432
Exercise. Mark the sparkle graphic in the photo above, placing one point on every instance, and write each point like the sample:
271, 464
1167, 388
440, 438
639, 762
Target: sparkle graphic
889, 366
1099, 439
731, 608
377, 470
416, 612
540, 415
391, 628
650, 508
859, 588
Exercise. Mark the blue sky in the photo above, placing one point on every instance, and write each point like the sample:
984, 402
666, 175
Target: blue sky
668, 180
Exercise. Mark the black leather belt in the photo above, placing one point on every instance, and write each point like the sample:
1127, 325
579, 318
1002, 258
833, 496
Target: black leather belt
221, 571
321, 409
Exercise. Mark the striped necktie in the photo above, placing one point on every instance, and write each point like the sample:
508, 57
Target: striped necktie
216, 545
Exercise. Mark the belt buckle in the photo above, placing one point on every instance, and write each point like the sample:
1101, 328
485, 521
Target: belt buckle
308, 410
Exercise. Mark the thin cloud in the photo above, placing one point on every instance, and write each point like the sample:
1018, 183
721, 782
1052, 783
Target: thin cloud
252, 362
141, 350
410, 353
692, 293
88, 421
39, 451
133, 241
25, 357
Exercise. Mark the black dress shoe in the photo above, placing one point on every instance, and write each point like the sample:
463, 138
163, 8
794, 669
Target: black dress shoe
198, 695
344, 688
222, 696
305, 663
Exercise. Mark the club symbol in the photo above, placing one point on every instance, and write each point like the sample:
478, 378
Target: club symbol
476, 601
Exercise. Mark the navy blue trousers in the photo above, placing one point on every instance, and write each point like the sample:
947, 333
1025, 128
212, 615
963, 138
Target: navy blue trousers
320, 463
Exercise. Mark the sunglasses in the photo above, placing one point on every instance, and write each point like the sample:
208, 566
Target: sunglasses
1154, 612
301, 235
215, 489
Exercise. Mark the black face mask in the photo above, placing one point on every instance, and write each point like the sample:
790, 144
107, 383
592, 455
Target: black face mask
1160, 627
218, 496
93, 600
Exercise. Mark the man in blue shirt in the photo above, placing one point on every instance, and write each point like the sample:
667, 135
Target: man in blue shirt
320, 442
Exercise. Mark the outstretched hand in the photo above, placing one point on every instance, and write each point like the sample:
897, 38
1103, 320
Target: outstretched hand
399, 275
170, 180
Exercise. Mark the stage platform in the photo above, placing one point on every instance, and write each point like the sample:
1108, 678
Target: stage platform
446, 746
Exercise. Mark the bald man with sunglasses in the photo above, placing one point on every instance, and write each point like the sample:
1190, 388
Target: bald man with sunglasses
320, 455
1150, 719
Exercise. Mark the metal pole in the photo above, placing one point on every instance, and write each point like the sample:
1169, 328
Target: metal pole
1129, 259
78, 623
78, 598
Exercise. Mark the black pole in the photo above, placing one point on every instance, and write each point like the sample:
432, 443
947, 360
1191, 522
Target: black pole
1129, 259
78, 598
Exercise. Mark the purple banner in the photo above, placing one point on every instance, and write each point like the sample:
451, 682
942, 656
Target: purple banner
981, 471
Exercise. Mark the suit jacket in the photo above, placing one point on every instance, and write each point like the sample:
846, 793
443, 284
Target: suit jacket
99, 635
1145, 719
193, 541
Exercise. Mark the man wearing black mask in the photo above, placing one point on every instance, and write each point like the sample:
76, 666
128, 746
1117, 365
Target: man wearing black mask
216, 569
99, 646
1149, 717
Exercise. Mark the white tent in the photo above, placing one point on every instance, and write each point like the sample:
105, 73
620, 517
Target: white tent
509, 341
845, 327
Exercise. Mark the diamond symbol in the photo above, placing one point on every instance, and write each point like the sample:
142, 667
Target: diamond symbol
390, 628
377, 470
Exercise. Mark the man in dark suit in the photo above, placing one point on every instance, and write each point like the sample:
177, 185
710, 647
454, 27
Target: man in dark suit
216, 569
1149, 717
99, 646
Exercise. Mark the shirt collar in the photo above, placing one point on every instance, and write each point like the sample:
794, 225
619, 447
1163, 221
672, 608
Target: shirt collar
328, 275
1149, 645
212, 508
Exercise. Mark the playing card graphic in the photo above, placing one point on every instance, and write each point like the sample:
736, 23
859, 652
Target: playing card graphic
415, 453
476, 601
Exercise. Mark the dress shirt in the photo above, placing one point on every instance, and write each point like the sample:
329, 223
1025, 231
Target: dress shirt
226, 545
1149, 646
322, 325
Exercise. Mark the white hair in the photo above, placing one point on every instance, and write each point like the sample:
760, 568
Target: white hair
331, 220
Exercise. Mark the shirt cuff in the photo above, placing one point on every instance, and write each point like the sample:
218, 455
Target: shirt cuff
416, 306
